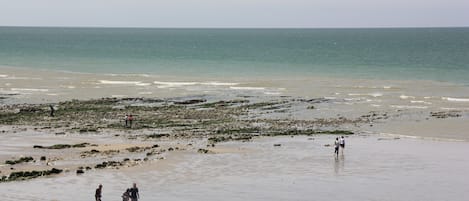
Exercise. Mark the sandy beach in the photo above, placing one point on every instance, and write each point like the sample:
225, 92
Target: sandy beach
238, 139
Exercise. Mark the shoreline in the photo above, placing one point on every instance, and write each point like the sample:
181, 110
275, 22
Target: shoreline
195, 115
205, 122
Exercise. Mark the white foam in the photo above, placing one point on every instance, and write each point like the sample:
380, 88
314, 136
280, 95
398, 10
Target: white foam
128, 75
456, 99
423, 102
248, 88
143, 84
370, 94
52, 94
175, 84
145, 93
406, 97
3, 76
375, 105
408, 107
29, 89
450, 108
119, 82
272, 93
219, 83
353, 99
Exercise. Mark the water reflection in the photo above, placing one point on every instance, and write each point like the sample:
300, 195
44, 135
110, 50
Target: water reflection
339, 163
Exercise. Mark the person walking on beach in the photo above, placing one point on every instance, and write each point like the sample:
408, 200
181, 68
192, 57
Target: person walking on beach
134, 196
342, 144
126, 195
336, 147
98, 193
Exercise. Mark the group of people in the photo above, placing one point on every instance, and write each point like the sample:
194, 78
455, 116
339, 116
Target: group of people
131, 194
128, 120
339, 142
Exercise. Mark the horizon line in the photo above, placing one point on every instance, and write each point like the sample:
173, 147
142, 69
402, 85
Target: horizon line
144, 27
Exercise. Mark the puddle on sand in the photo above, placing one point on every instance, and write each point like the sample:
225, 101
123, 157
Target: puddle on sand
300, 169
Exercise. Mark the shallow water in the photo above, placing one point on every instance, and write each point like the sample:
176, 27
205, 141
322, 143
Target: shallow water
301, 169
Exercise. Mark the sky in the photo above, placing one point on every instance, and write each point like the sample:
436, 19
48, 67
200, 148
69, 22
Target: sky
235, 13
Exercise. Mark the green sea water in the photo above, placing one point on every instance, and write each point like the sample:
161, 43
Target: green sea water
440, 54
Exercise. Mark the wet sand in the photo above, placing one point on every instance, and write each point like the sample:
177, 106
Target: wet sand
371, 168
409, 142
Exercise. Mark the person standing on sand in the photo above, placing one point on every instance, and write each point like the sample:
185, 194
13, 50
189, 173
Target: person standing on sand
134, 196
126, 118
98, 193
336, 147
342, 144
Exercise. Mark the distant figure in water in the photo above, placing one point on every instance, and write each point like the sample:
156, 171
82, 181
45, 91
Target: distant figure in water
336, 147
131, 118
128, 120
52, 110
342, 144
98, 193
134, 196
126, 195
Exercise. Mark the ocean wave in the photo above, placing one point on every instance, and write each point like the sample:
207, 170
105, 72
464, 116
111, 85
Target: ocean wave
272, 93
419, 101
119, 82
248, 88
143, 84
178, 84
377, 94
409, 107
406, 97
175, 84
455, 99
30, 89
128, 75
145, 93
219, 83
3, 76
353, 99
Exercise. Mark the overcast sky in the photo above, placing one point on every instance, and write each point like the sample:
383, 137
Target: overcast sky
235, 13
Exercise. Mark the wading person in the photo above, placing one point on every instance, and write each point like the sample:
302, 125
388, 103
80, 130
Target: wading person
131, 118
126, 118
336, 147
126, 195
342, 144
134, 196
98, 193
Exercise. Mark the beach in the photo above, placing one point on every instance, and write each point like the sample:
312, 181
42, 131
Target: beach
243, 131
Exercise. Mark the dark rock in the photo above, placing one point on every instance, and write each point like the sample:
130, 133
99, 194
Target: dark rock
190, 102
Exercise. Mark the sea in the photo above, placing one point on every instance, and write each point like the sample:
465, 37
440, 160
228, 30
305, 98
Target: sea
386, 68
439, 54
